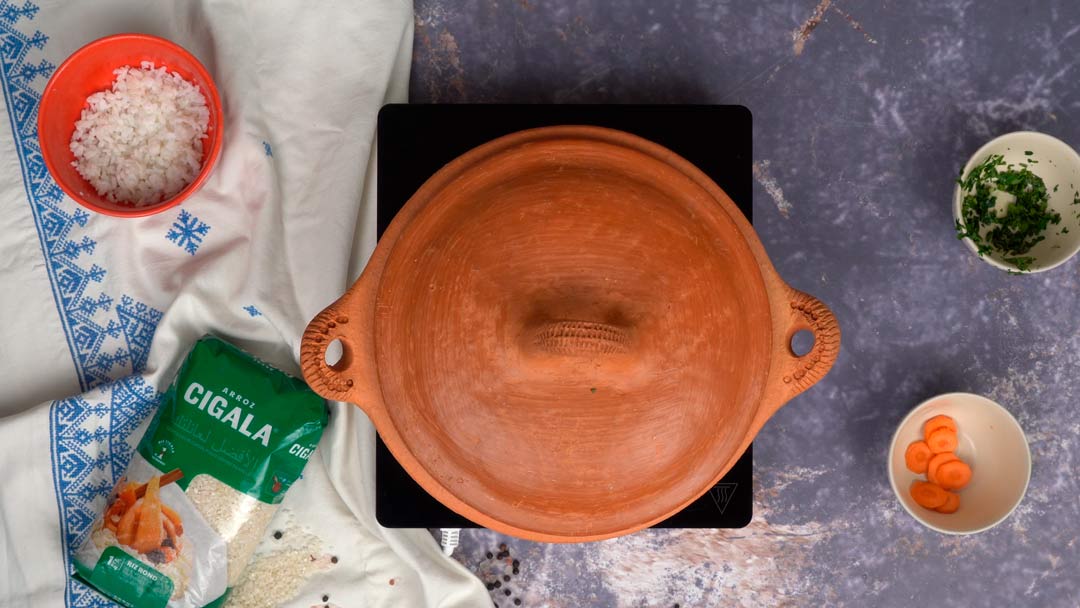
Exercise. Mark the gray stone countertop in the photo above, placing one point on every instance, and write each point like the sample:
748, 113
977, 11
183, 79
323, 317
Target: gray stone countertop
864, 112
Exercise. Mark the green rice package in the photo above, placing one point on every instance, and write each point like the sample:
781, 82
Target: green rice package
230, 435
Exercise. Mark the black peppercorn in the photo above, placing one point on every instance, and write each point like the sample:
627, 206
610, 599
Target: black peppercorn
506, 578
507, 592
490, 555
333, 560
516, 571
490, 586
277, 535
517, 602
326, 598
516, 563
498, 584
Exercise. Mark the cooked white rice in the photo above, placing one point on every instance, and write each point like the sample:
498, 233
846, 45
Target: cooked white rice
141, 141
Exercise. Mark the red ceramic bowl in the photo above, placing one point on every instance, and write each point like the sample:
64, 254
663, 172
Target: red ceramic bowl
90, 70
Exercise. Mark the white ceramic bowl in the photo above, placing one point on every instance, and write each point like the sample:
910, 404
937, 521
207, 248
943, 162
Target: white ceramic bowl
1058, 164
991, 443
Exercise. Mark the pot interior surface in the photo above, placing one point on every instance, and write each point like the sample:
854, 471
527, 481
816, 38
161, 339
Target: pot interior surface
572, 336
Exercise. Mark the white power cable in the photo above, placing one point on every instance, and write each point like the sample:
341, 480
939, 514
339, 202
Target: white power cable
451, 538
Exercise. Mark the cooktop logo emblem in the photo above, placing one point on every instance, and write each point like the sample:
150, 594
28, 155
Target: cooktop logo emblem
721, 495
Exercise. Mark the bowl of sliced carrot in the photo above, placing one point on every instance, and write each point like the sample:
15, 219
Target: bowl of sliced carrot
959, 463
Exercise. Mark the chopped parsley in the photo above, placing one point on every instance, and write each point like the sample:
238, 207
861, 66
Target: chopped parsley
1022, 263
1028, 152
1024, 221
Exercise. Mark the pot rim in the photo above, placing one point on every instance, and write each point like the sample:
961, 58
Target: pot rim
783, 378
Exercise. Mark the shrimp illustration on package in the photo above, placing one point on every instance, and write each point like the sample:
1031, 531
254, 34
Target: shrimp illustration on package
230, 436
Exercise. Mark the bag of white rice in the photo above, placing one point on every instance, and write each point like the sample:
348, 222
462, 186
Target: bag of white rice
230, 436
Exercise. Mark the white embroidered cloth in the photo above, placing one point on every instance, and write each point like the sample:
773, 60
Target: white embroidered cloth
96, 312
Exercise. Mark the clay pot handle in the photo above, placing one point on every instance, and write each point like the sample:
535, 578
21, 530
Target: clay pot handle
331, 381
800, 373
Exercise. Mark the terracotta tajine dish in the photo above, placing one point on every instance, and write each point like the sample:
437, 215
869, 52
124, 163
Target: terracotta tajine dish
568, 334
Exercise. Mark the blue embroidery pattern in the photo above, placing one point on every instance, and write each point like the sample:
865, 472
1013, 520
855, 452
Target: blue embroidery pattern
254, 312
90, 454
187, 232
269, 151
107, 339
97, 334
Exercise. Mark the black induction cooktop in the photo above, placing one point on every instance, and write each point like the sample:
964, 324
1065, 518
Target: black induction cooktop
415, 141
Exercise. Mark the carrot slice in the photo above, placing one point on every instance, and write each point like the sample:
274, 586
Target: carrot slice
942, 440
149, 533
127, 495
937, 422
170, 531
937, 461
952, 503
928, 495
125, 530
953, 475
917, 456
174, 517
116, 510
